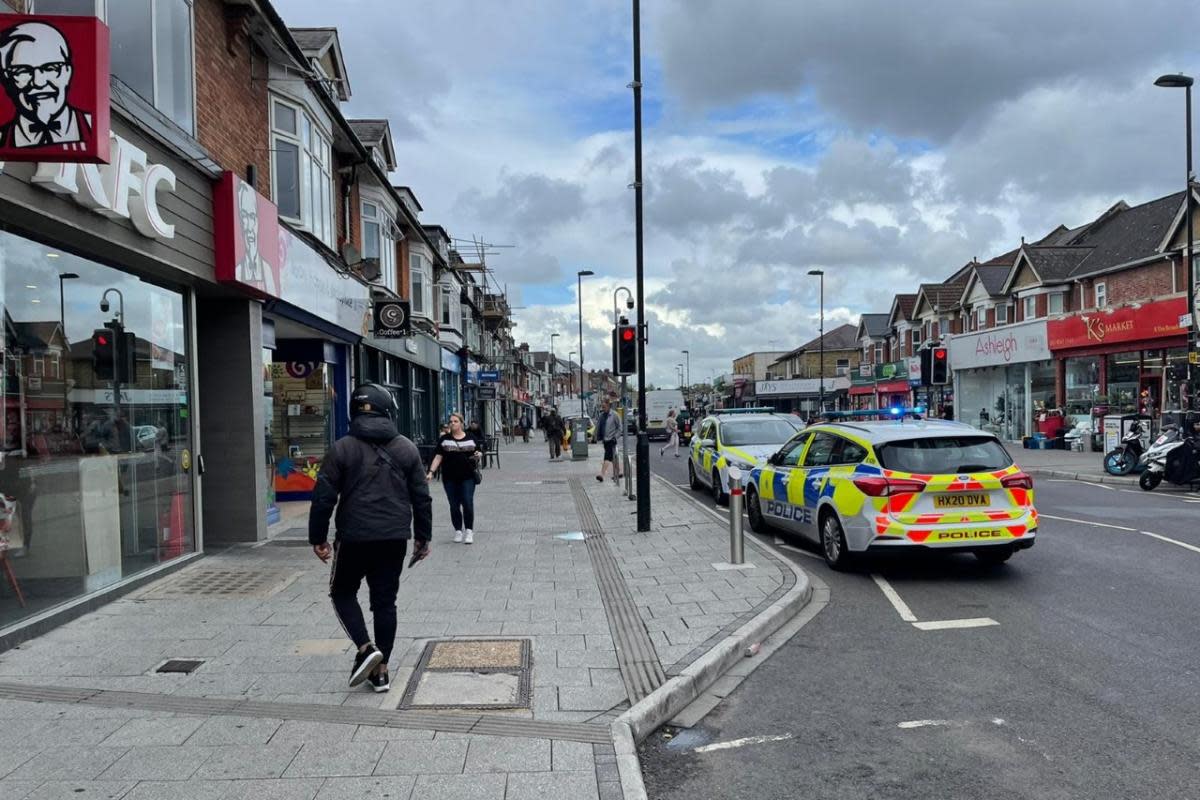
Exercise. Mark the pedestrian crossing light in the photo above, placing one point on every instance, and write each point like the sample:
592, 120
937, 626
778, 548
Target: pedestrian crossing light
624, 350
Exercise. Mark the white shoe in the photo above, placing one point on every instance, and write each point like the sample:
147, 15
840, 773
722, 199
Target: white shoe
470, 537
458, 537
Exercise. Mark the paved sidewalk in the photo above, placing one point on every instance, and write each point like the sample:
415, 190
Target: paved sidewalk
267, 713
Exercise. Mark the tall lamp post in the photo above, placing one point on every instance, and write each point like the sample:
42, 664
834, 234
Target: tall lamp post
688, 377
579, 276
62, 320
1185, 82
643, 440
820, 273
553, 364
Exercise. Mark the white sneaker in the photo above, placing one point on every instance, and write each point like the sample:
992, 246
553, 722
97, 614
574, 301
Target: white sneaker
470, 537
458, 537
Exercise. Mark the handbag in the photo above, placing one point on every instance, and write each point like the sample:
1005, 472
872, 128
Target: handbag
478, 475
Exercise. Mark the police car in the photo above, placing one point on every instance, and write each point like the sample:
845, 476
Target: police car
854, 487
735, 437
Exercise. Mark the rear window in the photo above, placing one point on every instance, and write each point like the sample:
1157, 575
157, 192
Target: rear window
762, 431
943, 455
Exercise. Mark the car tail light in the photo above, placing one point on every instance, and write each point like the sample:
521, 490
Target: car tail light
886, 487
1018, 480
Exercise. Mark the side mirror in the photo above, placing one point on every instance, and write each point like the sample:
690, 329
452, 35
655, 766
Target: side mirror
707, 443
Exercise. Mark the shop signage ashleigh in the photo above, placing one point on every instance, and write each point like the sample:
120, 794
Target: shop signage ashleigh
391, 320
1008, 344
1146, 321
55, 105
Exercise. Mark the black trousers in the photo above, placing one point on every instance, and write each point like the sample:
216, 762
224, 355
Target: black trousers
381, 564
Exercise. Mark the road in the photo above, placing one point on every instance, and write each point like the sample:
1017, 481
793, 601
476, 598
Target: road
1086, 688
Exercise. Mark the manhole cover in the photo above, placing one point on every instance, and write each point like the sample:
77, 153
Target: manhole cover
222, 583
184, 666
482, 674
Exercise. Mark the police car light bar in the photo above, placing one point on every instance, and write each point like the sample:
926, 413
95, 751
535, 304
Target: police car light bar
892, 412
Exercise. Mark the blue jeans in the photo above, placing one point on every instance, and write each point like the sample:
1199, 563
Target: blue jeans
461, 495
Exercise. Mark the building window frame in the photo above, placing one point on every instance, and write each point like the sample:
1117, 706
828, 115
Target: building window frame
1050, 304
842, 367
1100, 294
420, 289
1002, 314
1030, 306
377, 228
314, 158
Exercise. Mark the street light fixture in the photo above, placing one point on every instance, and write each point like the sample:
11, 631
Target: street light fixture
579, 276
1185, 82
820, 273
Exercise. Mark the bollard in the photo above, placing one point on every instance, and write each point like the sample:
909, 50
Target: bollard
737, 553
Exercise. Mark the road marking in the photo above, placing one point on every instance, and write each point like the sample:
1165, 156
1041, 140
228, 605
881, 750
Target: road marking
1089, 483
734, 743
924, 723
948, 624
901, 607
1087, 522
1159, 536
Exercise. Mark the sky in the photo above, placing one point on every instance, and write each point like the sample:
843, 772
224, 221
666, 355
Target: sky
885, 143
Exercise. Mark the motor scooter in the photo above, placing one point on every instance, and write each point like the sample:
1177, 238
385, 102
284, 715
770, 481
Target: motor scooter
1175, 458
1123, 458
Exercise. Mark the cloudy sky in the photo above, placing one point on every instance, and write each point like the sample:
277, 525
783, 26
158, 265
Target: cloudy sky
886, 143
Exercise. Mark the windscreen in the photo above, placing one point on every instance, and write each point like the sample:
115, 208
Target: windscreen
944, 455
759, 431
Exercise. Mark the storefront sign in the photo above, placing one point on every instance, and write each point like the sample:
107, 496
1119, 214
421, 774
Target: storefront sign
1148, 321
451, 362
800, 386
1009, 344
486, 393
391, 320
489, 376
55, 104
262, 256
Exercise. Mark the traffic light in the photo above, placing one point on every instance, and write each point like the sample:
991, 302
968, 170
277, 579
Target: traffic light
104, 353
126, 358
940, 372
624, 349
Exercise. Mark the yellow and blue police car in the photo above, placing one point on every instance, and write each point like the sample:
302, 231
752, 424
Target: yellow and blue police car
856, 486
734, 437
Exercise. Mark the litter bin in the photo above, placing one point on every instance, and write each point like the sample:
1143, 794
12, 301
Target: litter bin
579, 442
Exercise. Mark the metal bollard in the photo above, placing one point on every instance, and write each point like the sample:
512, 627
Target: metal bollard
737, 543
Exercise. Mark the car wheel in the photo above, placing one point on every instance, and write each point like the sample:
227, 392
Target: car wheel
1149, 481
720, 497
693, 480
758, 523
994, 556
833, 543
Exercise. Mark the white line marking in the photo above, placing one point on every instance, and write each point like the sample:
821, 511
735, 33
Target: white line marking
947, 624
1184, 545
901, 607
924, 723
730, 745
1089, 483
800, 551
1087, 522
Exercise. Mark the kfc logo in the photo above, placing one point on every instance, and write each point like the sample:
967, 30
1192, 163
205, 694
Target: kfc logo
54, 71
249, 246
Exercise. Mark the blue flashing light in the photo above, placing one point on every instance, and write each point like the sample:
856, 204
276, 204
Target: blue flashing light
895, 411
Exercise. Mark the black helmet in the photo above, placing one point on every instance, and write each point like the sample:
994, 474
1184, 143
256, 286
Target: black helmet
371, 398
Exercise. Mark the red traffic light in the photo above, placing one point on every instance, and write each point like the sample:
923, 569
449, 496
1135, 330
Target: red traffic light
102, 340
627, 334
940, 354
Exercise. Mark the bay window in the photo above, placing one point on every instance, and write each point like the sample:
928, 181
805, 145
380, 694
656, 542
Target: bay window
378, 242
450, 306
151, 48
421, 285
301, 170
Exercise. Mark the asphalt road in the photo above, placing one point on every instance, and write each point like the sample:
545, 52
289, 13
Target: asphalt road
1086, 688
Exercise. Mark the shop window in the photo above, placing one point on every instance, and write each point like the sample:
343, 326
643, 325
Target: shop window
95, 482
302, 425
1101, 294
1083, 384
1055, 304
1124, 371
301, 170
151, 48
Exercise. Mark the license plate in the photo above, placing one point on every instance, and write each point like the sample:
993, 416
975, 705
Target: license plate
969, 536
960, 500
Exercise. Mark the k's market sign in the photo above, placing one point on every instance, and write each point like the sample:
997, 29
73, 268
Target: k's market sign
1143, 322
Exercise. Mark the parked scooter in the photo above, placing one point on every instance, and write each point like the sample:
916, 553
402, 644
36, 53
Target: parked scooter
1123, 458
1174, 457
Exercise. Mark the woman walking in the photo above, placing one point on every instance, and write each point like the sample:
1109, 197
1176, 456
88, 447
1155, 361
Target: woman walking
672, 434
457, 454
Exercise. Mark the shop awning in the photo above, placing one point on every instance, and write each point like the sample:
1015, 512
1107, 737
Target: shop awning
860, 390
892, 387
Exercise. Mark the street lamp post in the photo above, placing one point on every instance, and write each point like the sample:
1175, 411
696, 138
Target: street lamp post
553, 364
1185, 82
643, 441
62, 320
688, 377
820, 273
579, 276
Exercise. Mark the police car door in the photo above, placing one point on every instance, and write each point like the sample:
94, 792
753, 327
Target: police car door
808, 481
777, 501
702, 456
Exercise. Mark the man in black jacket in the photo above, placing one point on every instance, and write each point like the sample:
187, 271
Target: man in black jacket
376, 480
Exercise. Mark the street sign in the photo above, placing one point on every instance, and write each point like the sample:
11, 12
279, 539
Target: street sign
1185, 320
489, 376
391, 320
487, 392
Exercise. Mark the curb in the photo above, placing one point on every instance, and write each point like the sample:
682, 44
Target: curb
1083, 477
644, 717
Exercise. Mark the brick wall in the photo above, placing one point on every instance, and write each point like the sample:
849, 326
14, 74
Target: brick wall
1140, 283
231, 93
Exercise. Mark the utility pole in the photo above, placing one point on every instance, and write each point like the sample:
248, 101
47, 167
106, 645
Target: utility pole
643, 440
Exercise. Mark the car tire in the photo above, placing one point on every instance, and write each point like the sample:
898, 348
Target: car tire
758, 523
994, 556
833, 543
693, 479
1149, 481
720, 496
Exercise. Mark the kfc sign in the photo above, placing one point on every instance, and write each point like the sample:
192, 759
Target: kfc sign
54, 107
246, 228
1155, 320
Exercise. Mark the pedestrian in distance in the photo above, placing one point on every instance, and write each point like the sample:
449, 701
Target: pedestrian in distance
554, 433
608, 427
458, 454
672, 435
375, 478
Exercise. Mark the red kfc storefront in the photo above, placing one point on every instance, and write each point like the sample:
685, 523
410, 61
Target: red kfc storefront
1120, 357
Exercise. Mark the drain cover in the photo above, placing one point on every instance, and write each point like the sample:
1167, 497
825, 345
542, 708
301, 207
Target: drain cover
222, 583
180, 665
480, 674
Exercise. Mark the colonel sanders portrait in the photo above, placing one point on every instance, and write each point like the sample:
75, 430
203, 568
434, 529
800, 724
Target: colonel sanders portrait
36, 70
250, 269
